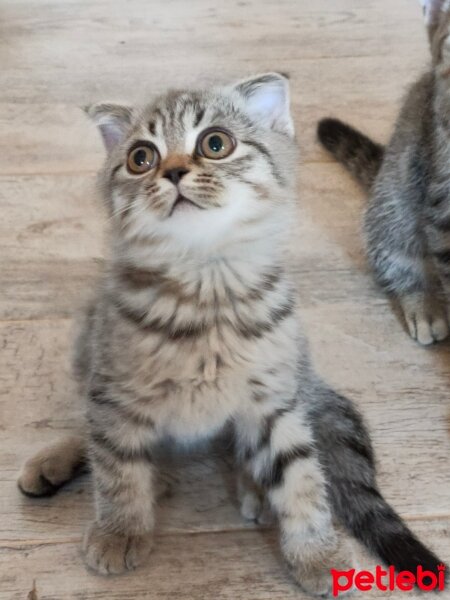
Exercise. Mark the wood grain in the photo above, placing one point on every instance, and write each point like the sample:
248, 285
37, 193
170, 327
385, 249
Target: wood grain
222, 566
134, 51
349, 58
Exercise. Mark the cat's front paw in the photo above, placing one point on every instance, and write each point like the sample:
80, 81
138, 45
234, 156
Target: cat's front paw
113, 553
426, 318
313, 572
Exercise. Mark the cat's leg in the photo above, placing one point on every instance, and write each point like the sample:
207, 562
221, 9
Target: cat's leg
252, 500
62, 461
53, 466
124, 479
283, 460
398, 254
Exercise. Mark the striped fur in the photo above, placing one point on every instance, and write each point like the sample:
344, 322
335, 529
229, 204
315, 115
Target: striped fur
358, 153
348, 459
407, 222
194, 328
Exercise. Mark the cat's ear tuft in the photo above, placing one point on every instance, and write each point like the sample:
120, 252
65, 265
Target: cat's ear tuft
113, 121
266, 99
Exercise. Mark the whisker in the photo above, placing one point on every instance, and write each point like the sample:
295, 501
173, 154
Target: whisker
137, 214
122, 209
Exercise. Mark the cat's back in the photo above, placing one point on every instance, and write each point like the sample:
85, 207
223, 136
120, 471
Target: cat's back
416, 111
405, 165
412, 128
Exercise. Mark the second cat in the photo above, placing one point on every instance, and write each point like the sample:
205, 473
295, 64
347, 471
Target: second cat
407, 223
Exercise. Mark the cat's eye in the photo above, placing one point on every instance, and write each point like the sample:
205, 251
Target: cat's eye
215, 143
142, 158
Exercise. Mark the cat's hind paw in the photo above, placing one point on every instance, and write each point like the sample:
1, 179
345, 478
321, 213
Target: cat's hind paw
53, 466
426, 319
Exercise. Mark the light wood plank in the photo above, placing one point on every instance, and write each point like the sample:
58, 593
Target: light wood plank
47, 133
203, 566
52, 233
38, 138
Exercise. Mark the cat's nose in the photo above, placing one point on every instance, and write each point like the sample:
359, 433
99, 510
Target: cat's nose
174, 175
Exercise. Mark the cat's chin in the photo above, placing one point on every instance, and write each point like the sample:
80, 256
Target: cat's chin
183, 204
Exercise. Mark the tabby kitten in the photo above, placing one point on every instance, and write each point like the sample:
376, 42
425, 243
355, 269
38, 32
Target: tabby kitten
407, 222
194, 328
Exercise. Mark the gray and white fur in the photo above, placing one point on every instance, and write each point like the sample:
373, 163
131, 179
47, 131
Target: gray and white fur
194, 328
407, 222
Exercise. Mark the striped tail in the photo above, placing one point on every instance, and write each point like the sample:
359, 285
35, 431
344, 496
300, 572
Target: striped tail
347, 457
354, 150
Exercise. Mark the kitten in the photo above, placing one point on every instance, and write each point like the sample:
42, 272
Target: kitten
194, 328
407, 222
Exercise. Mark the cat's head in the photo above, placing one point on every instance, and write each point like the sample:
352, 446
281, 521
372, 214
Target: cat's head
199, 167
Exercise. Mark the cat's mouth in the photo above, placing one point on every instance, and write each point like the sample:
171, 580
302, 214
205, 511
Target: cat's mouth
183, 204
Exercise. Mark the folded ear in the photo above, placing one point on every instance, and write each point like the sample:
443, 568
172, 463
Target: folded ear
113, 121
267, 102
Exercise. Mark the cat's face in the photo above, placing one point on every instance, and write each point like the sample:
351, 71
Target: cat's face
198, 167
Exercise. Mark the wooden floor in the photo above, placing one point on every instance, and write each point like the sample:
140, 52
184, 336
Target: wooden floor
352, 58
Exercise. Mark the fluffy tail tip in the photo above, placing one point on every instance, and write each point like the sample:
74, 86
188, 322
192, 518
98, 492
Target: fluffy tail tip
331, 131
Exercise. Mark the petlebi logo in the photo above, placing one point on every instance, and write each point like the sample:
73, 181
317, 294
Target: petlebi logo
388, 580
